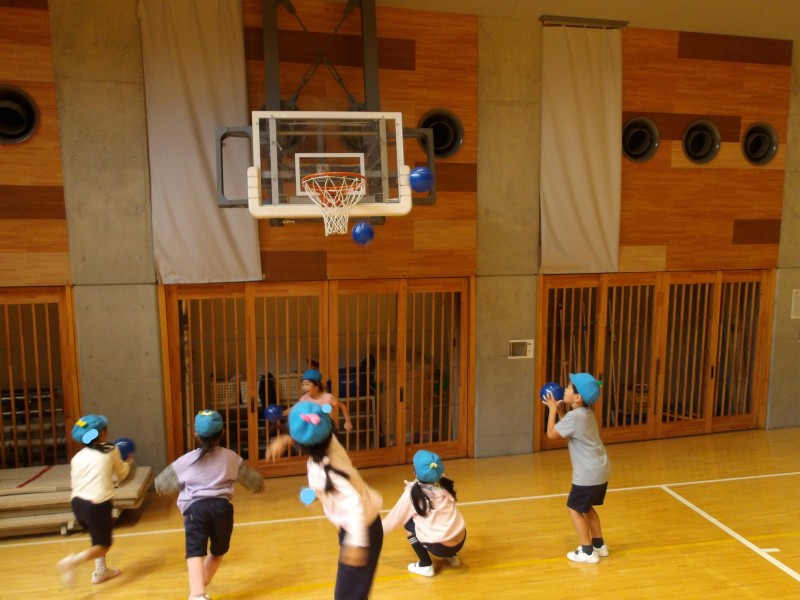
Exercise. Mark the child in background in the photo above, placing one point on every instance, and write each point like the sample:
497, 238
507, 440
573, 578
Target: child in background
204, 480
590, 465
92, 472
348, 502
427, 510
314, 391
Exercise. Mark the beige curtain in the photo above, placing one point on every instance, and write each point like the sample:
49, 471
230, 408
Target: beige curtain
194, 74
581, 154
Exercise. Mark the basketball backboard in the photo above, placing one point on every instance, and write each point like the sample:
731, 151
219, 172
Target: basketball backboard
289, 145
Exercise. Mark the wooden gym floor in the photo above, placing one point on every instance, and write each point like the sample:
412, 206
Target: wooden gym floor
700, 517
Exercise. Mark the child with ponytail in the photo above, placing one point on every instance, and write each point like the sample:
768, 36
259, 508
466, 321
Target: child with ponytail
427, 510
348, 503
204, 479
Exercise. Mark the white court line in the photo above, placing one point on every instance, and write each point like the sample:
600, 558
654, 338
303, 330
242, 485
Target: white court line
762, 553
468, 503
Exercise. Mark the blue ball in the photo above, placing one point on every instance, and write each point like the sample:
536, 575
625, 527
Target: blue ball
555, 388
421, 179
363, 233
273, 413
126, 447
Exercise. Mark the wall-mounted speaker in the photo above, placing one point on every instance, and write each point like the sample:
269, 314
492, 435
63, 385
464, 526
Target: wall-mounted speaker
640, 139
448, 132
19, 115
760, 143
701, 141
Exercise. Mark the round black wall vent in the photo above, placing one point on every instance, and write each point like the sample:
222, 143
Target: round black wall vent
640, 139
448, 132
701, 141
760, 143
19, 115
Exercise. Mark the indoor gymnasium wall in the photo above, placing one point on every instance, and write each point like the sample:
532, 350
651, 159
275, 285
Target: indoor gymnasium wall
33, 248
422, 66
725, 214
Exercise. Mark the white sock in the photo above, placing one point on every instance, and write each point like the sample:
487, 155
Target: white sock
100, 564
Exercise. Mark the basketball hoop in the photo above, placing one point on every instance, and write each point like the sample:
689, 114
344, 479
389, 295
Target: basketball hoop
335, 194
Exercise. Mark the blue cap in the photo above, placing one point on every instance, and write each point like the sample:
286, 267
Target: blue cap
587, 386
207, 423
309, 424
312, 375
428, 467
88, 428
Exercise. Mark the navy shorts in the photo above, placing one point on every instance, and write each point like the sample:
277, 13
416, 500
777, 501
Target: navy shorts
96, 519
208, 519
440, 550
583, 497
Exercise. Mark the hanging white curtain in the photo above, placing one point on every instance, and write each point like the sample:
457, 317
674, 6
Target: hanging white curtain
194, 74
581, 155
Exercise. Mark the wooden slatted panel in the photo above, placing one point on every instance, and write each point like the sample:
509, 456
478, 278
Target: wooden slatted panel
32, 420
432, 398
367, 334
288, 342
736, 350
213, 361
571, 334
688, 324
628, 359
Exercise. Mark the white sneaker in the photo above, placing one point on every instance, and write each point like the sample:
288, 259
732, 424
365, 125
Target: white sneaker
602, 551
101, 576
67, 568
582, 557
424, 571
453, 561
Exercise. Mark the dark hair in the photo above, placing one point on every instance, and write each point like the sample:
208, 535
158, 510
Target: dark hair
209, 443
422, 502
318, 453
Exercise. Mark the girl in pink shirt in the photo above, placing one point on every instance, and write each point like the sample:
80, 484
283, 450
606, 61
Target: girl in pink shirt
313, 391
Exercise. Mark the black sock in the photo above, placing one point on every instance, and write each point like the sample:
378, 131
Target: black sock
597, 542
587, 549
422, 554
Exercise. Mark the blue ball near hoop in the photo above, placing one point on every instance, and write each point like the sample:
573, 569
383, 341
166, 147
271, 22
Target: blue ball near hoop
363, 233
273, 413
126, 447
554, 388
421, 179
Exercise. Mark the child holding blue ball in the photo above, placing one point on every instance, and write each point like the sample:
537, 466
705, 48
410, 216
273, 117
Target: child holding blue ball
590, 465
92, 471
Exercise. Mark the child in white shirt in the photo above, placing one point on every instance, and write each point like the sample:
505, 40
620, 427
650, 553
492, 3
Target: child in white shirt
92, 472
348, 503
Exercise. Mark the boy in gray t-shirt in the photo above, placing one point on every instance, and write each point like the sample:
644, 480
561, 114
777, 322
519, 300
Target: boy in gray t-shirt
590, 465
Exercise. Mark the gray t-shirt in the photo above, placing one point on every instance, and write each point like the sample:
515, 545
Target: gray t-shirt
590, 464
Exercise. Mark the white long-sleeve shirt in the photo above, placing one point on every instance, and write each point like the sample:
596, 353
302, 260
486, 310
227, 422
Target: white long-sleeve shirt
443, 522
352, 506
91, 474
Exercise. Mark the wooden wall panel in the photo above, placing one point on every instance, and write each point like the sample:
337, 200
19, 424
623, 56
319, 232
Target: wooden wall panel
34, 249
722, 214
422, 66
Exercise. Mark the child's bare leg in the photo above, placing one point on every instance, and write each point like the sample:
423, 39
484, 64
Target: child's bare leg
593, 520
211, 565
581, 524
197, 575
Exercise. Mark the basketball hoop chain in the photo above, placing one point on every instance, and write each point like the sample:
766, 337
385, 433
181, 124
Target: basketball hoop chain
335, 194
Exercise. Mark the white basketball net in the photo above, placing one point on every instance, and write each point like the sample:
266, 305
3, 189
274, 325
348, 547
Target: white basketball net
335, 194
